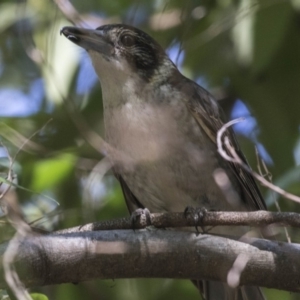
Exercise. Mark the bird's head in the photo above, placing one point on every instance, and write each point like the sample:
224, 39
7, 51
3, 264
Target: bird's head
119, 49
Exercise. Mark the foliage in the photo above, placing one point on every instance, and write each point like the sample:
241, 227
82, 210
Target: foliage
50, 100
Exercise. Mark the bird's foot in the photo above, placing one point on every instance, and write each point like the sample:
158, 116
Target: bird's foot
141, 215
196, 214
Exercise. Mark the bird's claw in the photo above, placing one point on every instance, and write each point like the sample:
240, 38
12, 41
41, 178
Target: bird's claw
140, 214
196, 214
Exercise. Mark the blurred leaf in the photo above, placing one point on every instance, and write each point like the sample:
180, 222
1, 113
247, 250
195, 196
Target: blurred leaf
272, 21
50, 172
8, 15
273, 294
3, 295
10, 183
36, 296
288, 181
296, 4
60, 65
243, 31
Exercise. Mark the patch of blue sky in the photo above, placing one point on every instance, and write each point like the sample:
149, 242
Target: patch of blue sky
87, 77
201, 80
176, 54
137, 14
1, 63
249, 128
95, 189
17, 103
3, 153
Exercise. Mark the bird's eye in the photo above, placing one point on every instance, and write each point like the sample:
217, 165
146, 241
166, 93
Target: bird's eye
127, 40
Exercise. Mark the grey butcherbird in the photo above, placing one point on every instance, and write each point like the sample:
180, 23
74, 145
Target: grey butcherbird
166, 125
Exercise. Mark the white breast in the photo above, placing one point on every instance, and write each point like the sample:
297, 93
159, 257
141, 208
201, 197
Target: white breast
143, 131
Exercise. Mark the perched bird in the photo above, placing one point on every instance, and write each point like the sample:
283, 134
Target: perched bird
166, 125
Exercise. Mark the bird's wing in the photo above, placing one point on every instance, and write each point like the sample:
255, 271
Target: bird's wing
209, 116
131, 201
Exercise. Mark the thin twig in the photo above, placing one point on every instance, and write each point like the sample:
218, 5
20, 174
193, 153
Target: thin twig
237, 160
22, 230
174, 220
268, 175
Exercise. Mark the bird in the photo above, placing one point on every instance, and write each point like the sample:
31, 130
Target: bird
165, 126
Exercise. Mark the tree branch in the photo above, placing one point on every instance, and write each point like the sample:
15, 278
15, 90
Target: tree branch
173, 220
77, 257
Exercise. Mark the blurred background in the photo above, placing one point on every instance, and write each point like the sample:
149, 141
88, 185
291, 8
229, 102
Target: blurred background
245, 52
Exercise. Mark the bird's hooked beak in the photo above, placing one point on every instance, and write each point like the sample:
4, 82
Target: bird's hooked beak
89, 39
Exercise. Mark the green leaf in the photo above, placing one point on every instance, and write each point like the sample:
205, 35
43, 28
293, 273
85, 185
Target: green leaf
3, 295
36, 296
8, 14
50, 172
58, 77
271, 25
242, 32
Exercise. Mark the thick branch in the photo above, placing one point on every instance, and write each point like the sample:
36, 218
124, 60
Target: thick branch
76, 257
165, 220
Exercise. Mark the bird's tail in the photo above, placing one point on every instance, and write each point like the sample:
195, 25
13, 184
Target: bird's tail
213, 290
